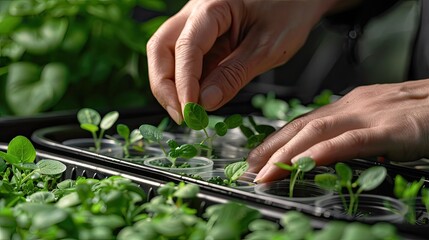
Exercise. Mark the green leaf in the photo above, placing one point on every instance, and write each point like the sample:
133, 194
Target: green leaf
108, 120
8, 24
233, 121
22, 148
275, 109
262, 225
297, 225
306, 164
285, 166
9, 158
372, 178
88, 115
163, 124
258, 101
47, 218
195, 116
135, 136
221, 128
3, 165
246, 131
41, 197
344, 173
45, 87
234, 171
383, 230
41, 39
187, 151
151, 133
400, 186
172, 144
187, 191
51, 167
123, 130
89, 127
326, 180
155, 5
255, 140
26, 166
265, 129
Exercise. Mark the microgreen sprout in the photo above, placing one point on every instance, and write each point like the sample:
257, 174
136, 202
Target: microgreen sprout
90, 120
197, 119
368, 180
129, 138
27, 176
154, 134
255, 133
407, 192
303, 165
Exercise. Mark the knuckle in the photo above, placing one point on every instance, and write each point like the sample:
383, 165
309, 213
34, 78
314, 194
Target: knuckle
296, 124
235, 74
319, 125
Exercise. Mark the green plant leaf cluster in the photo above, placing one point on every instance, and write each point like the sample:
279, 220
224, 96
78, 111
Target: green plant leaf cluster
407, 192
278, 109
90, 120
297, 170
20, 175
368, 180
70, 54
255, 133
196, 118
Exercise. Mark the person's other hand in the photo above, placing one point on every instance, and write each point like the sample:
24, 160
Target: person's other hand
390, 120
209, 50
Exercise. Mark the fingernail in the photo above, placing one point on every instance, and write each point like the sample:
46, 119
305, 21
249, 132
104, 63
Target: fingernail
211, 96
296, 158
174, 115
259, 178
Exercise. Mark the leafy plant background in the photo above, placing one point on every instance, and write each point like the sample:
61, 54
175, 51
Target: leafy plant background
68, 54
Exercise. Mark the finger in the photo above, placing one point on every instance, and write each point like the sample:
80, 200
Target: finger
199, 34
352, 144
160, 54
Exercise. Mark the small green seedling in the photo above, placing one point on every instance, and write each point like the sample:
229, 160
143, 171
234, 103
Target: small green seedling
154, 134
274, 108
197, 119
130, 138
303, 165
407, 192
232, 172
255, 133
90, 120
368, 180
27, 177
425, 198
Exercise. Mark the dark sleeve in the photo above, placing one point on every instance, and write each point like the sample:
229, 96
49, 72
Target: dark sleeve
361, 14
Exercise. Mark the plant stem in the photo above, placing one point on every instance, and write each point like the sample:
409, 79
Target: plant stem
210, 143
294, 176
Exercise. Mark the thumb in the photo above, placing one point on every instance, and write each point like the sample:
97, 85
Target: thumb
222, 84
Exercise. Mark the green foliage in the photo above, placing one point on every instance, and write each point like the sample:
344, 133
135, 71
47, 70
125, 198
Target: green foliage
407, 192
368, 180
234, 171
70, 54
90, 120
196, 118
278, 109
255, 133
297, 169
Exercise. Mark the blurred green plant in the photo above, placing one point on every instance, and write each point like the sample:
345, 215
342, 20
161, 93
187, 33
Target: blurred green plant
57, 55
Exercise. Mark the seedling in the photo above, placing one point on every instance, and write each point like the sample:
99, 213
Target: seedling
154, 134
19, 173
255, 133
275, 108
232, 173
197, 119
129, 138
368, 180
407, 192
303, 165
90, 120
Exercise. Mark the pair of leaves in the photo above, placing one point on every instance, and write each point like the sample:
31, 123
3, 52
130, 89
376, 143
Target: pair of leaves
90, 119
368, 180
304, 164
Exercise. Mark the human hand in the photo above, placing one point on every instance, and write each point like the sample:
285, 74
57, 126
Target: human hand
209, 50
388, 120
